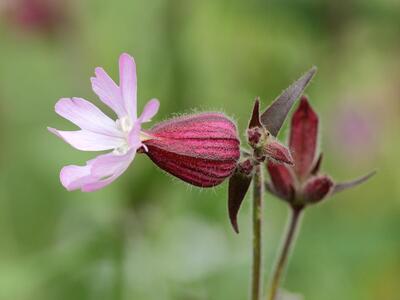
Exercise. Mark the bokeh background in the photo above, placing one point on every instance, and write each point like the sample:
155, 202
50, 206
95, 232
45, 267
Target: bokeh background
149, 236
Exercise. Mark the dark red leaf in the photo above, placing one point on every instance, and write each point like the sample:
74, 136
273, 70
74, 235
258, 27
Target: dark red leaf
255, 117
238, 187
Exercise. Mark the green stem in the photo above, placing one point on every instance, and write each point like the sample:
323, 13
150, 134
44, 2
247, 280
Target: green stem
283, 257
258, 195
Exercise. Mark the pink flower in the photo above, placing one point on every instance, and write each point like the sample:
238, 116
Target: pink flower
302, 183
99, 132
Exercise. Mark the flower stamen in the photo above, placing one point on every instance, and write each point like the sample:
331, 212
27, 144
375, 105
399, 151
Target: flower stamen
124, 124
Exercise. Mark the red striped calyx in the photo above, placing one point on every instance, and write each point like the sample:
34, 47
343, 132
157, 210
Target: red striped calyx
201, 149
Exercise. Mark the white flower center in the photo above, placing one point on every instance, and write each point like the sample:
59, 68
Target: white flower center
124, 124
121, 150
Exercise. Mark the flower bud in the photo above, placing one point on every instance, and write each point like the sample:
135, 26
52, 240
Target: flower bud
201, 149
256, 136
301, 183
282, 181
317, 188
278, 152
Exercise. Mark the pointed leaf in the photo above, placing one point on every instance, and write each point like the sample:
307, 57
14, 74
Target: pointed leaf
317, 165
274, 116
255, 117
238, 187
349, 184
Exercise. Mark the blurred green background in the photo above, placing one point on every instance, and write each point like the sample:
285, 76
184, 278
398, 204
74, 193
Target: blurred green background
149, 236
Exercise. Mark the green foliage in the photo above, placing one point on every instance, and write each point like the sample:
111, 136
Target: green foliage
149, 236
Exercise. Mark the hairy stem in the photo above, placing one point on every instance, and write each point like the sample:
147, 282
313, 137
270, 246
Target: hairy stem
258, 195
289, 239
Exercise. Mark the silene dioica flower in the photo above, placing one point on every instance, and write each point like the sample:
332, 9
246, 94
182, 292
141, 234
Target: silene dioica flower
201, 149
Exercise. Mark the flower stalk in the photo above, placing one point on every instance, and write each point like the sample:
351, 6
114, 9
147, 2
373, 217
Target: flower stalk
258, 195
264, 147
288, 243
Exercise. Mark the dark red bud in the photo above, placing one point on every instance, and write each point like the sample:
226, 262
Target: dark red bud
303, 138
254, 135
201, 149
278, 152
317, 188
281, 181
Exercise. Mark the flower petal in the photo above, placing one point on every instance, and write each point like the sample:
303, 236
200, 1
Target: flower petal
108, 92
149, 110
303, 138
110, 163
99, 184
282, 180
104, 166
97, 173
73, 177
317, 188
88, 141
134, 136
128, 84
86, 115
